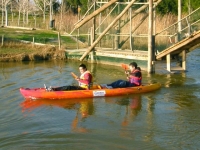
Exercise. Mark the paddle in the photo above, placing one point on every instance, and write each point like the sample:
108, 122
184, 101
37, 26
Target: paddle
125, 68
74, 76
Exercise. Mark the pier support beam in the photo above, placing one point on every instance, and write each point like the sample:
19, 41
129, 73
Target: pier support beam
182, 65
184, 60
93, 36
179, 21
168, 59
150, 39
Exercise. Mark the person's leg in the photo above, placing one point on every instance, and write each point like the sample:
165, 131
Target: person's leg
130, 84
123, 84
118, 84
67, 88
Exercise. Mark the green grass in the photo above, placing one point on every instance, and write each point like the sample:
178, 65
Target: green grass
40, 36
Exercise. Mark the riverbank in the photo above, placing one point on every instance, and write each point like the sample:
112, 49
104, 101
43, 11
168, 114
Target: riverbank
16, 51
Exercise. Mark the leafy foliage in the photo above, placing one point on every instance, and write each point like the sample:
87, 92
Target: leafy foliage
171, 6
166, 6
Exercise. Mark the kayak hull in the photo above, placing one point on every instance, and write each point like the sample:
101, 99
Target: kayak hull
41, 93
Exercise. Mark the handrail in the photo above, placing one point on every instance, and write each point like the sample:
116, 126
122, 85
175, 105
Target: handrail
178, 21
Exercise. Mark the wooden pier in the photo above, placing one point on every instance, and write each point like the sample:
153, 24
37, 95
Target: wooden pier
110, 56
180, 49
114, 55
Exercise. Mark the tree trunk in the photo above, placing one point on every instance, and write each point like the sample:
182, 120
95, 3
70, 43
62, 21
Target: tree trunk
6, 15
44, 19
2, 22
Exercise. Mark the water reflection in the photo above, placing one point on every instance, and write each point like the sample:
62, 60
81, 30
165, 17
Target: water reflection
29, 104
132, 109
85, 108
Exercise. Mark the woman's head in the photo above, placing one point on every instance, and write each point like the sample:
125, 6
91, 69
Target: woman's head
132, 66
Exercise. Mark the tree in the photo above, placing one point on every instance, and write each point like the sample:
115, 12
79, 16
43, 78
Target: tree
74, 4
167, 6
171, 6
41, 4
4, 7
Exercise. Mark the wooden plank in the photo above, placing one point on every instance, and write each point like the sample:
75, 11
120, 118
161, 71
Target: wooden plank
184, 44
95, 13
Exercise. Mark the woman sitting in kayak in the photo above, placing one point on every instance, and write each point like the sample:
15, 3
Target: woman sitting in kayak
85, 81
134, 78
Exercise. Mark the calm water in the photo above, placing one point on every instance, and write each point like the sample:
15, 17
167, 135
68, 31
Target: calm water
165, 119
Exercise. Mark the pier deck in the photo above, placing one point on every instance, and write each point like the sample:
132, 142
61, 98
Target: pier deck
110, 56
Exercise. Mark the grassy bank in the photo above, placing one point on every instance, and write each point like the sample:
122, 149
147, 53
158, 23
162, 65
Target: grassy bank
16, 51
38, 36
14, 46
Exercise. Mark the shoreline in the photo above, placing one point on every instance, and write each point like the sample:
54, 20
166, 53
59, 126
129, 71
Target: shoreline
13, 52
58, 54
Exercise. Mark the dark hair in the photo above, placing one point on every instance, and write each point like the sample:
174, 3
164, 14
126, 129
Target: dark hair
83, 66
133, 64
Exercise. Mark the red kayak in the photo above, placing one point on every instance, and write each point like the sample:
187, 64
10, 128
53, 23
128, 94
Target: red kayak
41, 93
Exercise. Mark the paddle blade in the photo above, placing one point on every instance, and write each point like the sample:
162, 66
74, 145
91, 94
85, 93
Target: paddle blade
125, 66
74, 76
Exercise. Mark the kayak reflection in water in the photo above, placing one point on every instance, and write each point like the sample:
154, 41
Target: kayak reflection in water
85, 81
135, 106
86, 109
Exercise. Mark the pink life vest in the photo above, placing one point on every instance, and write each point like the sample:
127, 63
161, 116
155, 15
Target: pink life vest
136, 77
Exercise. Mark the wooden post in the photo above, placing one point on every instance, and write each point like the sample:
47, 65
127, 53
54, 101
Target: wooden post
59, 43
94, 24
179, 21
107, 29
93, 36
100, 17
130, 29
153, 40
184, 59
117, 31
116, 42
79, 9
150, 33
168, 62
77, 45
89, 35
33, 43
189, 11
2, 41
113, 41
